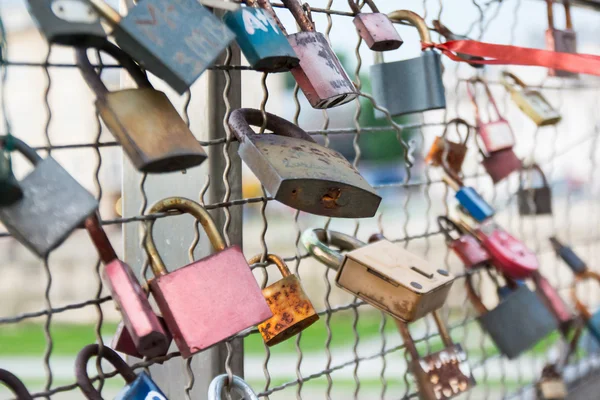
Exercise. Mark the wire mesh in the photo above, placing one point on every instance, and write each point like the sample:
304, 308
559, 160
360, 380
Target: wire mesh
353, 351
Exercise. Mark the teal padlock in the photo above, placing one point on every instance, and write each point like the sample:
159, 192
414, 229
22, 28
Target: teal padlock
10, 190
261, 39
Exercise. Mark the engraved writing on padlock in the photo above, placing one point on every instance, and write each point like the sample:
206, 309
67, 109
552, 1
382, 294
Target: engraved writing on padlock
466, 247
211, 299
383, 274
53, 204
175, 40
530, 101
292, 310
441, 375
320, 74
14, 384
534, 200
562, 41
375, 28
67, 22
10, 190
449, 35
261, 40
446, 153
143, 120
413, 85
300, 173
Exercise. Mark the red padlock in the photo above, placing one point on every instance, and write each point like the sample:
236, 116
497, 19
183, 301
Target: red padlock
211, 299
500, 164
554, 302
465, 246
145, 330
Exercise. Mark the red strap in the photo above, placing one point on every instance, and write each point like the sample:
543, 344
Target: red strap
514, 55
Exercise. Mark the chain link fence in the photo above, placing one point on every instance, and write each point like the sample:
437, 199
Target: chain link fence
50, 308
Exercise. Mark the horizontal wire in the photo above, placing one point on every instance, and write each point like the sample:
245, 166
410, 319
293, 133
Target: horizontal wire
57, 310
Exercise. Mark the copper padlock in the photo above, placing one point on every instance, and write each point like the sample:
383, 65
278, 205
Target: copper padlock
465, 246
383, 274
292, 310
145, 330
441, 375
375, 28
209, 300
448, 154
561, 40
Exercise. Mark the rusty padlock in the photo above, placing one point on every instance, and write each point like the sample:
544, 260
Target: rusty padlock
382, 273
15, 385
465, 246
300, 173
443, 374
145, 330
375, 28
449, 36
208, 300
534, 200
561, 40
449, 154
530, 101
320, 74
292, 310
143, 120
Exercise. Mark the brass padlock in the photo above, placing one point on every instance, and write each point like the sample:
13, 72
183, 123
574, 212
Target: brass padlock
299, 172
292, 310
530, 101
143, 120
448, 154
441, 375
383, 274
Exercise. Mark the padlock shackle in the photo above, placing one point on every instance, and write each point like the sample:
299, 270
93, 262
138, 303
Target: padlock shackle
472, 92
23, 148
82, 378
266, 5
415, 20
302, 18
238, 386
111, 15
100, 239
273, 259
442, 29
581, 307
315, 242
446, 226
409, 342
506, 78
457, 122
529, 168
241, 120
567, 6
474, 297
15, 385
185, 206
356, 10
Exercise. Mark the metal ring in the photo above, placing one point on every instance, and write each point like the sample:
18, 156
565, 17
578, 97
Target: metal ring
314, 240
238, 385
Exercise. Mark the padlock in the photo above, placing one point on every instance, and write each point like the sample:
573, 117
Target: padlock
551, 298
413, 85
383, 274
300, 173
261, 40
292, 310
500, 164
448, 154
562, 41
469, 199
522, 309
147, 333
219, 386
175, 40
143, 120
209, 300
530, 101
551, 385
67, 22
496, 134
592, 321
449, 36
53, 204
139, 387
10, 191
14, 384
465, 246
320, 74
534, 200
574, 262
441, 375
375, 28
122, 340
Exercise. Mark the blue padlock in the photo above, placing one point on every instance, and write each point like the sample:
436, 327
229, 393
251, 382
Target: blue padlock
470, 201
261, 39
139, 387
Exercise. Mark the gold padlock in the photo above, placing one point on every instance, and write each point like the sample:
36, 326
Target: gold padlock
530, 101
292, 310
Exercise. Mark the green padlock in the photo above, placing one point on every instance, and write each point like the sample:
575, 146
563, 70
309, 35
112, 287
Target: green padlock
10, 190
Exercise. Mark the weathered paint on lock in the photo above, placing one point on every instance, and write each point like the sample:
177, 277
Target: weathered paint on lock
123, 342
375, 28
456, 153
264, 45
445, 374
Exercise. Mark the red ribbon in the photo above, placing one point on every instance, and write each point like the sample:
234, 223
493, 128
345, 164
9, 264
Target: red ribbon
514, 55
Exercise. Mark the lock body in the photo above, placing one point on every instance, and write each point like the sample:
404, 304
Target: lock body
535, 201
577, 265
146, 332
455, 156
500, 164
54, 204
264, 45
554, 302
142, 388
409, 86
10, 190
123, 342
67, 22
496, 135
156, 139
474, 204
291, 308
552, 388
320, 74
593, 326
536, 107
377, 31
209, 300
562, 41
470, 251
394, 280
